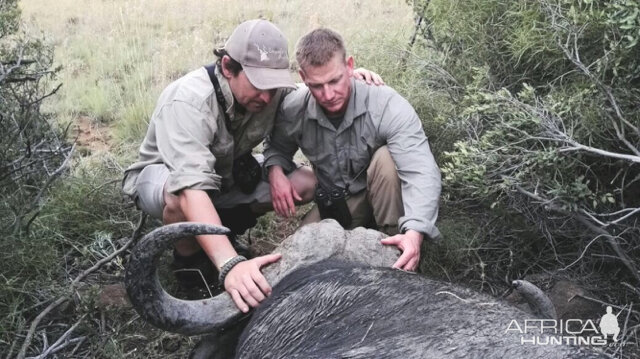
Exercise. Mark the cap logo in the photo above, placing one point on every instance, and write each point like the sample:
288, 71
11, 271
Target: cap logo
264, 55
266, 51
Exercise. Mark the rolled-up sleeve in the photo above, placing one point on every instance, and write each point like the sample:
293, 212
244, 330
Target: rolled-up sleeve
184, 135
280, 146
417, 169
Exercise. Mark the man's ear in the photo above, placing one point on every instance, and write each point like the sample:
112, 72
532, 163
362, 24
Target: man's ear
350, 63
224, 64
302, 76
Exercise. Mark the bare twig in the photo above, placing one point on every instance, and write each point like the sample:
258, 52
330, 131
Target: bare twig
573, 55
57, 345
13, 345
104, 184
624, 329
78, 341
11, 62
75, 349
581, 254
611, 240
46, 185
5, 73
74, 283
419, 18
577, 147
602, 302
558, 134
45, 96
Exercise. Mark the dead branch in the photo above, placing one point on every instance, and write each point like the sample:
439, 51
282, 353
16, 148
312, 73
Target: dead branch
5, 73
579, 147
58, 344
624, 329
11, 62
611, 239
78, 341
52, 177
12, 80
419, 21
572, 53
553, 126
604, 303
51, 93
74, 283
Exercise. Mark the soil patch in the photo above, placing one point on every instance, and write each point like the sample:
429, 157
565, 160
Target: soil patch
91, 137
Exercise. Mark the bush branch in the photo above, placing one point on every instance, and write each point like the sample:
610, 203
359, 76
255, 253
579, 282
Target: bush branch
611, 239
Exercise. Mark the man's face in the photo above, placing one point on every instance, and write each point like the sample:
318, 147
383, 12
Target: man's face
251, 98
330, 84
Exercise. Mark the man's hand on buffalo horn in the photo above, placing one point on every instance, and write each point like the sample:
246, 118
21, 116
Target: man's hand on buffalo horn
246, 284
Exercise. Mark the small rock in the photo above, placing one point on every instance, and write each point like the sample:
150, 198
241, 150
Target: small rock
113, 295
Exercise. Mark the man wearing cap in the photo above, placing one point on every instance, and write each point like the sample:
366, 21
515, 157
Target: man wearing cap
195, 163
369, 152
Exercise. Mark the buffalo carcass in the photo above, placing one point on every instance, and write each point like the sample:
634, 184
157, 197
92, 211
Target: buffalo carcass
334, 296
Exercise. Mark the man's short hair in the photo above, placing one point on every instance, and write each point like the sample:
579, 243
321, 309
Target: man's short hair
318, 47
233, 66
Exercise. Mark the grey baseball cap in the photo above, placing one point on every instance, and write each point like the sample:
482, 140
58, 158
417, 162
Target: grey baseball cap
262, 50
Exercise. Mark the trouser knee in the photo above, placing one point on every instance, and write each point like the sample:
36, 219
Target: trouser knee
384, 190
382, 171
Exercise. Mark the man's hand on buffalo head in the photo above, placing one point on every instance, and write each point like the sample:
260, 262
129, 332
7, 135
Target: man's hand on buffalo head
409, 243
245, 283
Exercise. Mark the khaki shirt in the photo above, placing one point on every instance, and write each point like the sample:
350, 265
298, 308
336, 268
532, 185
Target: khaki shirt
189, 135
375, 116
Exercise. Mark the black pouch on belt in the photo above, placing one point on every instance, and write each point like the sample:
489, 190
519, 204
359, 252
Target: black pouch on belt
333, 204
247, 173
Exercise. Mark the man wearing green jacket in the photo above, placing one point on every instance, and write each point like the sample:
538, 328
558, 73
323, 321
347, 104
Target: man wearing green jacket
367, 147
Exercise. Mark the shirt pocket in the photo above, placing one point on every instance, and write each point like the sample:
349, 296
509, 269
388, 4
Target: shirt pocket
359, 157
317, 154
359, 161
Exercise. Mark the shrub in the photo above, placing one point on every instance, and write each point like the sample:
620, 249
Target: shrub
548, 132
33, 149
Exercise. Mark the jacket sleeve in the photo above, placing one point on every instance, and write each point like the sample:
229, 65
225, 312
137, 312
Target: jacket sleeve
417, 169
281, 145
184, 136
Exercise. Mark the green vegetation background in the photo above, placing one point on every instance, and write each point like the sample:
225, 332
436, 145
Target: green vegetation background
531, 108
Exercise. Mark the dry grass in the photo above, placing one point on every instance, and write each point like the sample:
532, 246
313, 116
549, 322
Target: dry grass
118, 55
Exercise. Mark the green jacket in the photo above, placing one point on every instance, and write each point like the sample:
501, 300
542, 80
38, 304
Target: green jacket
375, 116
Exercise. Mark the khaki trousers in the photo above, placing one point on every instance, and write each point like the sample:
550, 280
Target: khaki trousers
380, 205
